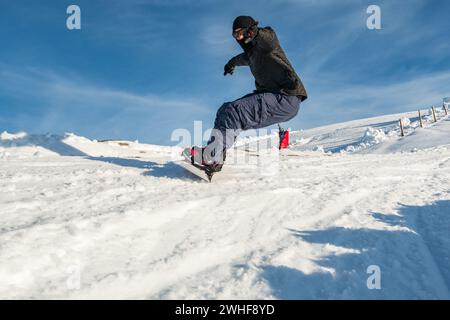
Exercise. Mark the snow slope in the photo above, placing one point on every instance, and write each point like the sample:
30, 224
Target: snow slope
118, 219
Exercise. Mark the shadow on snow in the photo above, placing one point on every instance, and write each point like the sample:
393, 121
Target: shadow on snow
414, 258
154, 169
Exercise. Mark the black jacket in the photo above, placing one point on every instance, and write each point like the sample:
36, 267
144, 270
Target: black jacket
269, 65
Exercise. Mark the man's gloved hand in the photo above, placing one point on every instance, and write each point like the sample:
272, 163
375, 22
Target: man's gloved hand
229, 68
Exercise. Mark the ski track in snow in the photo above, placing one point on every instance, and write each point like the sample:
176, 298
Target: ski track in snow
88, 219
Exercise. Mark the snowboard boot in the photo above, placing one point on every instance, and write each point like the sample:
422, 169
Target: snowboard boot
198, 159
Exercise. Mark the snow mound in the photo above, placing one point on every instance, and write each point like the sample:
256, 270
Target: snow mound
22, 145
37, 145
4, 136
371, 138
406, 122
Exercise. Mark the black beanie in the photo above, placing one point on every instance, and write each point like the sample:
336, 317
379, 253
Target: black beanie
244, 22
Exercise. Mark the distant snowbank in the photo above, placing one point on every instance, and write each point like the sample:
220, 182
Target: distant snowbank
377, 135
4, 136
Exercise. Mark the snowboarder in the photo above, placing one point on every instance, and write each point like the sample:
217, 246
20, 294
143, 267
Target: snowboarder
277, 97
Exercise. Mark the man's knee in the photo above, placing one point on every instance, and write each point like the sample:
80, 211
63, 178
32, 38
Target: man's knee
223, 109
295, 111
289, 109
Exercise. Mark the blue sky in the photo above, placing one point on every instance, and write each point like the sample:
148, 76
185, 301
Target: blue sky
138, 69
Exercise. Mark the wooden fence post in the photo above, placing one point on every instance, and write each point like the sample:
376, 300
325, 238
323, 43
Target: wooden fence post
420, 120
401, 128
434, 114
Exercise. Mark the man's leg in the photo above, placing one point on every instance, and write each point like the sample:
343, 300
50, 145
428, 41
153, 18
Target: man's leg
253, 111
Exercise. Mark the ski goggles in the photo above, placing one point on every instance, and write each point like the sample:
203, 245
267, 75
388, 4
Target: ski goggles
241, 32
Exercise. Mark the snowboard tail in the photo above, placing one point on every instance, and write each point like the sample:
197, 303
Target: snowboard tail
195, 170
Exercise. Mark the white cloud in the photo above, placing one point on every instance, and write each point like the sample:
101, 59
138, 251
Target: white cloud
217, 40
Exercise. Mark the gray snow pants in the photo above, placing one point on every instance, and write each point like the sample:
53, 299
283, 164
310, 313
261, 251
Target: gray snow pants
252, 111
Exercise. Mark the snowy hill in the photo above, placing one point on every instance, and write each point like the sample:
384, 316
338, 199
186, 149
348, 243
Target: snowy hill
118, 219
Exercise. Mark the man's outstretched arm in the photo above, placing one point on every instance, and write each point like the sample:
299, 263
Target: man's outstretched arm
239, 60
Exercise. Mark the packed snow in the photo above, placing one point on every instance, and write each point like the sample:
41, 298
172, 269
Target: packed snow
82, 218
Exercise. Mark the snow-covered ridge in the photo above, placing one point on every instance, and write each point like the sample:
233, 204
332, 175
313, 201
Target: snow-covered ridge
373, 135
41, 145
82, 218
379, 134
5, 136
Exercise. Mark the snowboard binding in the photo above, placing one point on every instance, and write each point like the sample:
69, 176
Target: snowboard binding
197, 161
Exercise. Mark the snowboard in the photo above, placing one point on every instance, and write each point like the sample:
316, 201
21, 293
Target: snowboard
197, 170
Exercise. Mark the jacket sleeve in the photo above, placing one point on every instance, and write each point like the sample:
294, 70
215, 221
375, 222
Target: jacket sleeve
267, 39
240, 60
